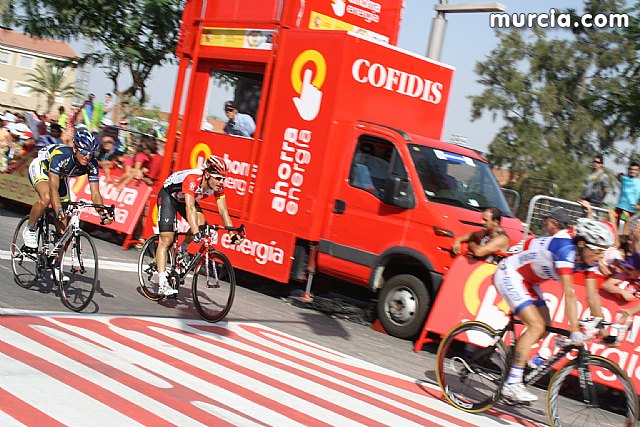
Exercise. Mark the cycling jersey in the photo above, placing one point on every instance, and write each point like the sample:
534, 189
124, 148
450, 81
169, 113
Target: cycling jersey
547, 258
188, 181
61, 160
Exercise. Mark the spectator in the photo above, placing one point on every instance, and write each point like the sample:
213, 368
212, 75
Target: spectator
134, 168
107, 152
629, 194
238, 124
54, 137
485, 242
596, 185
107, 110
63, 117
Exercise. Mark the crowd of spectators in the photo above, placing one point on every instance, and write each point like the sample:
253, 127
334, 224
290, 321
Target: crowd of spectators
137, 155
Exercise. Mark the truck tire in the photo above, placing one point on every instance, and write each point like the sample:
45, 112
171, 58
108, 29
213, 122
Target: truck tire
403, 305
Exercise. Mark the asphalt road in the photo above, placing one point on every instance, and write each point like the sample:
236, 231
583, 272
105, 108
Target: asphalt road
256, 301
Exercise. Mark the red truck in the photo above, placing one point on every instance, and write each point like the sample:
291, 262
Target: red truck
345, 174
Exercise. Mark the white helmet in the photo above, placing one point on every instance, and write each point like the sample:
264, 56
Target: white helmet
594, 232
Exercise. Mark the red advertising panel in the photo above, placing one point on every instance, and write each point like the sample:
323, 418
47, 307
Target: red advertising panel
377, 20
388, 85
467, 293
129, 202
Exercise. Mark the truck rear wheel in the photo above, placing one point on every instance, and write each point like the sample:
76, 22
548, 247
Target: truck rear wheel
403, 304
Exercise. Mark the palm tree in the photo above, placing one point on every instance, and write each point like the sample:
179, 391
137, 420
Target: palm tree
49, 80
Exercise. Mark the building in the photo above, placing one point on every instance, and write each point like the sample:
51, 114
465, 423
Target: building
19, 56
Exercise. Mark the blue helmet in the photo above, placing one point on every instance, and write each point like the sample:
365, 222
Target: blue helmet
84, 140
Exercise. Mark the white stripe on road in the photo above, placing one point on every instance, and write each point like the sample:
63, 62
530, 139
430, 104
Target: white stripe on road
102, 264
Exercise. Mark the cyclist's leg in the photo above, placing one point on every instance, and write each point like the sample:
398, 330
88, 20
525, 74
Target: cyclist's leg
166, 219
40, 181
65, 197
525, 303
182, 210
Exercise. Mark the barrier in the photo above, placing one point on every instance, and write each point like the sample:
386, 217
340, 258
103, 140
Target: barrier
541, 204
130, 203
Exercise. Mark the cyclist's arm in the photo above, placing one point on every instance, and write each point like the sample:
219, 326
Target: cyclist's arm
54, 188
192, 213
224, 212
593, 299
570, 309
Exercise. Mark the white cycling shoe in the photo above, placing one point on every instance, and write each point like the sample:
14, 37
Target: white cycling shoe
30, 238
164, 288
56, 272
518, 393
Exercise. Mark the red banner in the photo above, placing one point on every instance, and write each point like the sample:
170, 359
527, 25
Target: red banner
467, 293
129, 202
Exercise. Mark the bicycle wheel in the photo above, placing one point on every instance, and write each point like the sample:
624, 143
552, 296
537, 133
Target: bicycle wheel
78, 270
472, 363
579, 401
26, 263
214, 286
148, 270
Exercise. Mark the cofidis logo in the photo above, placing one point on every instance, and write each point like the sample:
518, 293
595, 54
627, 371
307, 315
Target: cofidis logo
308, 73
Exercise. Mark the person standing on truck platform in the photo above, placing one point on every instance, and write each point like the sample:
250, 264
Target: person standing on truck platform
484, 243
518, 277
596, 186
239, 124
180, 193
629, 194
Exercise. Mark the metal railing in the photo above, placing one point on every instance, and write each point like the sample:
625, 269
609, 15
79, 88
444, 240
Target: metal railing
541, 204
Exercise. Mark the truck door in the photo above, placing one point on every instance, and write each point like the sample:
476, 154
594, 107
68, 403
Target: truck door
361, 224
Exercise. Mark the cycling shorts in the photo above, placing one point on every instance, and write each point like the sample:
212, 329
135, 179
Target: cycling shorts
167, 208
515, 290
37, 174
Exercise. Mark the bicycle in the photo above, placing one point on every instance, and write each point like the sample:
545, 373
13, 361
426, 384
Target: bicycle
74, 249
214, 280
472, 364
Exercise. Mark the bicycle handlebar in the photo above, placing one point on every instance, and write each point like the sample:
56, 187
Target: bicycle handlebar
73, 206
212, 228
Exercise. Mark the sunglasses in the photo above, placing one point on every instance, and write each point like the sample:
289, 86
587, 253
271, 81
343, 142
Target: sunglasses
86, 152
596, 249
218, 178
597, 161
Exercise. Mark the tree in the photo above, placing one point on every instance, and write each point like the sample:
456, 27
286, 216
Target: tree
130, 37
49, 80
555, 91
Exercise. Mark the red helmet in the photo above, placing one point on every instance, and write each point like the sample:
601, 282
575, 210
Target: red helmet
215, 164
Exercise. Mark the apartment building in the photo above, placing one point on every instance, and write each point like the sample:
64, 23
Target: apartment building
19, 56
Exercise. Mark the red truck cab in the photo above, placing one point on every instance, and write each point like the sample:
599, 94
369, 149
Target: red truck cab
345, 174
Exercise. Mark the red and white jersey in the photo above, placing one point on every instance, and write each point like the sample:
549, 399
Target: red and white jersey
188, 181
546, 258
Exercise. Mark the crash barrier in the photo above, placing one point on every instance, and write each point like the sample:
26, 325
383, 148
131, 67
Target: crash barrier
130, 202
541, 204
513, 199
467, 293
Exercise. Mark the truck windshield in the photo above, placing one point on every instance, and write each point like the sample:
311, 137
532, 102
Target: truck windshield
457, 180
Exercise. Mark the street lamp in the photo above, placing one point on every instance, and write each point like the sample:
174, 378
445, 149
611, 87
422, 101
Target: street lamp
439, 23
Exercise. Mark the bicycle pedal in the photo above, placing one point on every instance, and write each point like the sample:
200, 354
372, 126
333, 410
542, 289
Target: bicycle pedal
174, 296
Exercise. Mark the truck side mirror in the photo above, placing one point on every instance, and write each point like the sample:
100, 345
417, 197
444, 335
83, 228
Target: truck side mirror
398, 192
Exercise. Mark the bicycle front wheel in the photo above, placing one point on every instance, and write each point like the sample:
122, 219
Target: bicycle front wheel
148, 268
26, 263
575, 398
214, 286
77, 273
471, 365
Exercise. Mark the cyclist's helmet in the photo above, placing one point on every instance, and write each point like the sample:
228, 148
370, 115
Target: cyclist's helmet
216, 165
84, 140
594, 232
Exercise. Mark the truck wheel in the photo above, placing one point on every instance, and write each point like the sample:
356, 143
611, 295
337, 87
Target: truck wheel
403, 304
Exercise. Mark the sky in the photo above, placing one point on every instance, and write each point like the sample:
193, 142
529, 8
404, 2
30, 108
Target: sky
468, 40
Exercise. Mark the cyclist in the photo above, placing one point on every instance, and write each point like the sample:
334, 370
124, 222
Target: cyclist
180, 193
555, 257
48, 174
